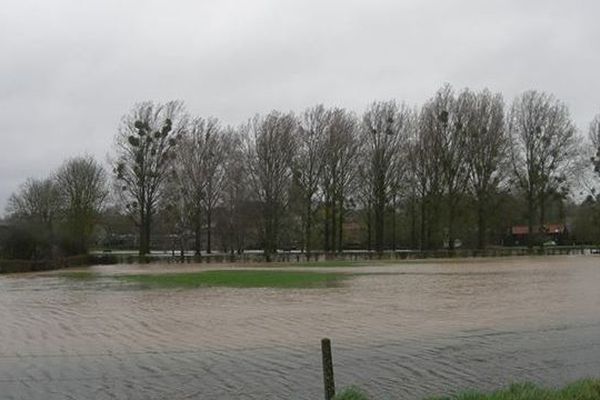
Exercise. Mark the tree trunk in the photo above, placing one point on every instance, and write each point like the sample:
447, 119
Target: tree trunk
268, 246
341, 225
561, 211
480, 224
239, 242
326, 230
208, 230
182, 247
379, 221
142, 245
542, 211
424, 240
275, 232
308, 228
369, 227
530, 216
333, 225
145, 228
197, 237
413, 223
451, 215
433, 234
394, 224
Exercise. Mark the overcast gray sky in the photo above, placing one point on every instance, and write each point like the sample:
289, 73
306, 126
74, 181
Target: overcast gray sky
69, 69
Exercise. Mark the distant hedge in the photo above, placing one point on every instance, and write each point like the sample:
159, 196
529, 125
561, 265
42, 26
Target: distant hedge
13, 266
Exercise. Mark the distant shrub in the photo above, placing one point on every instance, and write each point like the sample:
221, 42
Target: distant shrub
21, 243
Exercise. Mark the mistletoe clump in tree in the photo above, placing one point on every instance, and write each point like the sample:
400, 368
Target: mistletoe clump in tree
594, 136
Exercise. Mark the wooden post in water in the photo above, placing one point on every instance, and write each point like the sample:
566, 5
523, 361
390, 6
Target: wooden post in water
327, 369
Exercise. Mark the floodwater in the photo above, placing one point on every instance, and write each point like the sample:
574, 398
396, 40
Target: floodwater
401, 331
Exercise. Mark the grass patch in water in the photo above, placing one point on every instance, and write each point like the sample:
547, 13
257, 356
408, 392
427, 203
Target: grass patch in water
587, 389
323, 264
238, 279
351, 393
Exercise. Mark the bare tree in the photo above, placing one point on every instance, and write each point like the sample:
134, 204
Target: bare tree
36, 207
82, 184
411, 176
437, 160
594, 137
191, 172
589, 208
382, 138
486, 143
308, 164
236, 190
213, 166
37, 201
426, 176
269, 147
145, 146
447, 120
543, 149
363, 193
339, 174
178, 214
400, 180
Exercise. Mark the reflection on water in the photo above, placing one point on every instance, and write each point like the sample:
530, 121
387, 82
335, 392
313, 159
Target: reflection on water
407, 330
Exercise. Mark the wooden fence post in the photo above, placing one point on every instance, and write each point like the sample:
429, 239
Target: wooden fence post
327, 369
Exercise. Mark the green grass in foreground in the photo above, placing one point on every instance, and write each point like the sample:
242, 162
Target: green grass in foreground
351, 393
238, 279
588, 389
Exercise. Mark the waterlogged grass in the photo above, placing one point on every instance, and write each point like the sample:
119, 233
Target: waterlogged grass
582, 390
238, 279
218, 278
352, 393
588, 389
323, 264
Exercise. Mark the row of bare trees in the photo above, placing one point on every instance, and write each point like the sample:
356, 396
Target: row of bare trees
295, 175
57, 214
439, 170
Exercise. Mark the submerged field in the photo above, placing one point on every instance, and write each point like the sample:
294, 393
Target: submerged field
409, 331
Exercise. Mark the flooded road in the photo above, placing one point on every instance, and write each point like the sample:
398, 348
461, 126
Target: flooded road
398, 331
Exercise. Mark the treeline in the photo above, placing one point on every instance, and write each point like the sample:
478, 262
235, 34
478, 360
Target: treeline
461, 169
55, 216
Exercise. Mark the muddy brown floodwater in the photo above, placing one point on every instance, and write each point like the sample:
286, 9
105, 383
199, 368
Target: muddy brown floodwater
402, 331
